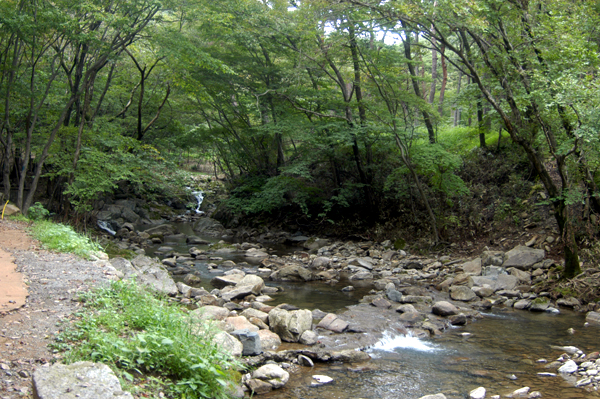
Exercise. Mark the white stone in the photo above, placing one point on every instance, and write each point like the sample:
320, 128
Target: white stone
520, 392
478, 393
322, 379
568, 368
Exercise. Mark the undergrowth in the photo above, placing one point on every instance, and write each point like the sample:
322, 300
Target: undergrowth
148, 342
62, 238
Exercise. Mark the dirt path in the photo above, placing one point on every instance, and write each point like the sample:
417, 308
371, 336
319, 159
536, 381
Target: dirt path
53, 281
13, 291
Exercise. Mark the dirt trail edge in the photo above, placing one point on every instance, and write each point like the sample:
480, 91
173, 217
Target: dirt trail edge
53, 281
13, 292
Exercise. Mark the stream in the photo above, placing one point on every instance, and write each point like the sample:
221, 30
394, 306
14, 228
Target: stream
499, 352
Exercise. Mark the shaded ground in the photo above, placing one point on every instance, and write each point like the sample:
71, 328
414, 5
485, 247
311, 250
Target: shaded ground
53, 281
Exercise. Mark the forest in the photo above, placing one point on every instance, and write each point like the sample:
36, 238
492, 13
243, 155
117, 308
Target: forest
341, 114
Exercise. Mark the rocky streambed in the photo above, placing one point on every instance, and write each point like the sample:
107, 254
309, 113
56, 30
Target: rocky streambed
240, 286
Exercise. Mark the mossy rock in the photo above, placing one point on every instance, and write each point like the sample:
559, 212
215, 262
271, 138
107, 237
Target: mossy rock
113, 251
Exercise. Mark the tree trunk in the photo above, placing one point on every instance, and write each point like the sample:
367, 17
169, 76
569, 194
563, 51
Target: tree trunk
434, 61
444, 82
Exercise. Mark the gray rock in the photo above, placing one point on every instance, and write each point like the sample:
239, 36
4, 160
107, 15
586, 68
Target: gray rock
362, 275
184, 289
272, 374
540, 305
258, 387
210, 312
269, 340
229, 343
236, 292
225, 281
362, 262
162, 230
208, 226
290, 325
462, 293
308, 337
253, 281
250, 312
292, 273
305, 361
407, 308
321, 261
250, 341
592, 317
394, 295
333, 323
521, 275
505, 282
523, 257
147, 272
444, 308
458, 319
522, 304
192, 279
472, 268
193, 240
568, 302
436, 396
82, 380
483, 292
492, 258
256, 253
569, 367
493, 271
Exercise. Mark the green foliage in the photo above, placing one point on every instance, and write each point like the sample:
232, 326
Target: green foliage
37, 212
62, 238
137, 334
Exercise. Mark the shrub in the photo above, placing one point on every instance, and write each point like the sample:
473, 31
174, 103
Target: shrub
62, 238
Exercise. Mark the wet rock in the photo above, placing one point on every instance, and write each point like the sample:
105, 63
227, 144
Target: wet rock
84, 380
415, 299
523, 258
272, 374
520, 392
436, 396
315, 243
305, 361
321, 380
256, 253
458, 319
483, 292
170, 262
411, 317
290, 325
162, 230
193, 240
350, 356
250, 341
361, 275
333, 323
237, 292
229, 343
462, 293
463, 279
362, 262
444, 308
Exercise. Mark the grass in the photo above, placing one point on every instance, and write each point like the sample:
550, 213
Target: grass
149, 342
62, 238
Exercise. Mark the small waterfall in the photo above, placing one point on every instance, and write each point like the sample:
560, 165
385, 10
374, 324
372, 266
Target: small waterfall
390, 343
104, 225
199, 197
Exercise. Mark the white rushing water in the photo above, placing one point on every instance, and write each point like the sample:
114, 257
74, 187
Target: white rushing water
391, 343
199, 195
106, 227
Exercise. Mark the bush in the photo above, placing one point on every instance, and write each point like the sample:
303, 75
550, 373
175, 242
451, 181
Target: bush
37, 212
137, 333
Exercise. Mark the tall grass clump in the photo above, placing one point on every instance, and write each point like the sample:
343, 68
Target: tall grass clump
139, 334
62, 238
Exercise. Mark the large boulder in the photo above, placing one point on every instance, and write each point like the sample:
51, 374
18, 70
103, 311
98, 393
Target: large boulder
272, 374
225, 281
82, 380
290, 325
462, 293
593, 318
333, 323
269, 340
209, 227
148, 272
11, 210
472, 268
522, 257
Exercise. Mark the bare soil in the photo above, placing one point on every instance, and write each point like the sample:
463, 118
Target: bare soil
27, 326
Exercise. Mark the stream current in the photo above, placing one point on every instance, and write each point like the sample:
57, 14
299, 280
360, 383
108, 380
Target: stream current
499, 352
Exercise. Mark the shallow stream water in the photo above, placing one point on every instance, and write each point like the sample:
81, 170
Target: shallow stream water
499, 352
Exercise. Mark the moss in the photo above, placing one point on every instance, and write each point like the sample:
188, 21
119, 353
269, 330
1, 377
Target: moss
400, 243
